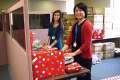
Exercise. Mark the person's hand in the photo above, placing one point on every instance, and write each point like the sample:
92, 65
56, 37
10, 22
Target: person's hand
68, 51
64, 48
49, 46
69, 54
46, 46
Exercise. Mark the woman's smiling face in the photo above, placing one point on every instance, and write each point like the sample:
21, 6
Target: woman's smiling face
79, 13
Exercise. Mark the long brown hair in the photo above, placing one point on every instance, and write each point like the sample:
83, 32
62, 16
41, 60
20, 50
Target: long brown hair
60, 19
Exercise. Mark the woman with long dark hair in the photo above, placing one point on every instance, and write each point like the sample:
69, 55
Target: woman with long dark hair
55, 30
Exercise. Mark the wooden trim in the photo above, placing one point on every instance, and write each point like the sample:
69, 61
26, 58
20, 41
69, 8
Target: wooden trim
27, 37
24, 4
19, 4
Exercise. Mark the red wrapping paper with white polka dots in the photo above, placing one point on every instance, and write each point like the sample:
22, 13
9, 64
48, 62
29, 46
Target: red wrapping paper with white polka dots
46, 63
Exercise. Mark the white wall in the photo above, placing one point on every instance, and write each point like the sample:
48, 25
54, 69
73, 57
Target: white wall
112, 20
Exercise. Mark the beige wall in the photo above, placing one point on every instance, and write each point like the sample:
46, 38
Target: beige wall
3, 54
101, 3
98, 5
95, 3
18, 60
46, 6
88, 2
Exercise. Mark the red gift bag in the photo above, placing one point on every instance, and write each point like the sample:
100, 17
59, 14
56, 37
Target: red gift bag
98, 34
46, 63
73, 67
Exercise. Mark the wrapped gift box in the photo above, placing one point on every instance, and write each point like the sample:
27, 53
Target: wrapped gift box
73, 67
47, 63
69, 60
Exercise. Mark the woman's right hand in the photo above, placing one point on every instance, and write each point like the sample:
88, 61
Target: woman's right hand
68, 51
70, 54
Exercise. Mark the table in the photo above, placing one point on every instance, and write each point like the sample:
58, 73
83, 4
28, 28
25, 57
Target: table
62, 77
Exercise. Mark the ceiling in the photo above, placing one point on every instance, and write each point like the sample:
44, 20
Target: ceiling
4, 4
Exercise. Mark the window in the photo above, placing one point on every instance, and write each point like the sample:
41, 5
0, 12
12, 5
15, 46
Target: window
1, 24
17, 22
39, 21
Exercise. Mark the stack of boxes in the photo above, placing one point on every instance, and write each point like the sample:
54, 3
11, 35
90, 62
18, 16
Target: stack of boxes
108, 49
104, 50
98, 50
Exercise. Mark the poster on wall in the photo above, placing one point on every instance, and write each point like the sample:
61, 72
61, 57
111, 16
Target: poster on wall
98, 32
